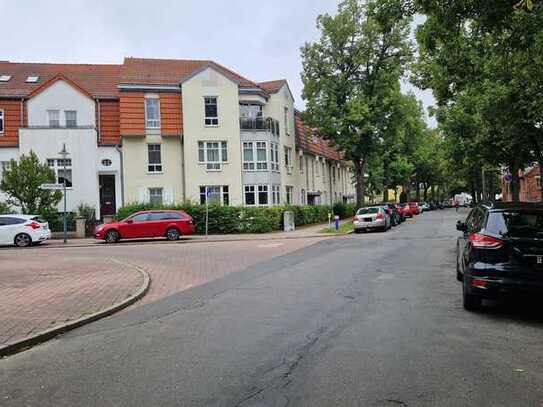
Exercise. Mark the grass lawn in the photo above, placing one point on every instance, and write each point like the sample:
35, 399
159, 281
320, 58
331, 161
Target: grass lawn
344, 227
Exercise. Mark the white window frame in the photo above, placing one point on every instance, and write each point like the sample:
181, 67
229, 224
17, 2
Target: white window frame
255, 164
250, 189
66, 112
151, 189
154, 168
288, 159
152, 123
3, 121
213, 120
50, 112
223, 195
204, 146
57, 165
261, 165
289, 193
276, 194
256, 189
286, 121
274, 156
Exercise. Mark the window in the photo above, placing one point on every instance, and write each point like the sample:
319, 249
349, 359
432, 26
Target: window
140, 217
288, 158
274, 156
262, 194
4, 78
32, 78
54, 118
289, 193
213, 154
152, 113
317, 169
61, 174
155, 196
301, 164
214, 195
1, 121
302, 195
247, 110
71, 118
286, 120
250, 195
154, 159
276, 194
248, 156
106, 162
261, 156
211, 111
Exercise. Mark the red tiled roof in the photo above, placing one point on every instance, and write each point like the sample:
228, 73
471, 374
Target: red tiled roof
310, 142
272, 86
143, 71
97, 80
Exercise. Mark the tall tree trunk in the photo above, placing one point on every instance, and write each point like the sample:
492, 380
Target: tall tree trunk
360, 169
426, 192
418, 190
385, 177
474, 193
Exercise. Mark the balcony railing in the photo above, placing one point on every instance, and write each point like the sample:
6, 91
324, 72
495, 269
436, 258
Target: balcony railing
260, 124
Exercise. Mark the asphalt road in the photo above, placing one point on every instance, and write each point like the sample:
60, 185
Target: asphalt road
362, 320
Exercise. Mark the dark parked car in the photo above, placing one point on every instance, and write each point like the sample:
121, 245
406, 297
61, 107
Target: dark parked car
166, 223
500, 251
392, 211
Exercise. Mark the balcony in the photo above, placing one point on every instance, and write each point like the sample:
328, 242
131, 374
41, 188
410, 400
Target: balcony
259, 124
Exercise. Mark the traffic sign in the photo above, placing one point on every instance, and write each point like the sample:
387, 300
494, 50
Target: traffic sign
52, 186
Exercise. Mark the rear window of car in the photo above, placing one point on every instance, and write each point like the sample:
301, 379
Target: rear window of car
516, 223
366, 211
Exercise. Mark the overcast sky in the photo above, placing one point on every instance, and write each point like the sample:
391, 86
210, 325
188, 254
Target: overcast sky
260, 40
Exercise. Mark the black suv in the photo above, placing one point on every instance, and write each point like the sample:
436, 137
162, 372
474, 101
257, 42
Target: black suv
500, 251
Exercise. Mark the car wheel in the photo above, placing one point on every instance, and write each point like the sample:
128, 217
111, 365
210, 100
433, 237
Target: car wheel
112, 236
469, 301
173, 234
22, 240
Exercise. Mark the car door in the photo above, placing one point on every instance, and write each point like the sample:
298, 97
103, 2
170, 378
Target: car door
4, 231
135, 226
158, 221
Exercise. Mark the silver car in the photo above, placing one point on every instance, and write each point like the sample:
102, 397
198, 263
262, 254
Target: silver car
373, 217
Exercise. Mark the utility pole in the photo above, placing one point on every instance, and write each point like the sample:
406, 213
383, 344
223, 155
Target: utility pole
64, 153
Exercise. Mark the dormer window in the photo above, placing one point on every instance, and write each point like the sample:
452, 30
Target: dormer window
4, 77
32, 78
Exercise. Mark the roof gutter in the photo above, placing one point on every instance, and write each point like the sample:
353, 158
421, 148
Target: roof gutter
148, 87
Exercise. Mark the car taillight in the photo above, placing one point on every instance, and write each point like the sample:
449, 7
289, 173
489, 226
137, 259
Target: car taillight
380, 215
485, 242
34, 225
354, 218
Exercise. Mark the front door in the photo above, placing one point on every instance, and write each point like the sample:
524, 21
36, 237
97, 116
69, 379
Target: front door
107, 195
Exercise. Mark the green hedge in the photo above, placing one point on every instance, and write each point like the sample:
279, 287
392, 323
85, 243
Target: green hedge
238, 219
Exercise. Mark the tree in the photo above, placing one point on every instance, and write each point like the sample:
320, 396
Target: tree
483, 59
21, 182
349, 74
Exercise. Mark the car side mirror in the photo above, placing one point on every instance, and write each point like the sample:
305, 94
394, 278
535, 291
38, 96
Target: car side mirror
461, 226
129, 221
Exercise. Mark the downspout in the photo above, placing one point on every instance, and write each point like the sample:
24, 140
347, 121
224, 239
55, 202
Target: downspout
99, 127
183, 175
120, 151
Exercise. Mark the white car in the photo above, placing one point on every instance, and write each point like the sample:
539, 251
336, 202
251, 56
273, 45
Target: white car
23, 230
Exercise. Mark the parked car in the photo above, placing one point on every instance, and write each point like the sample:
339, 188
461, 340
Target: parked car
164, 223
500, 252
406, 210
373, 217
399, 211
392, 212
424, 207
23, 230
415, 208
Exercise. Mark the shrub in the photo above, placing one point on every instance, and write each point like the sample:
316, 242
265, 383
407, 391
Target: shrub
238, 219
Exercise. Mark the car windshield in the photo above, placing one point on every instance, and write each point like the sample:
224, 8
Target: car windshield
516, 223
366, 211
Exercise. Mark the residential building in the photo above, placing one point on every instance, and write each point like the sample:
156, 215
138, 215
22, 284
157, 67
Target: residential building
530, 185
167, 131
46, 106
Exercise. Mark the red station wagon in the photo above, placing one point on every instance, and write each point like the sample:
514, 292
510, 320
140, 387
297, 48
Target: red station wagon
169, 224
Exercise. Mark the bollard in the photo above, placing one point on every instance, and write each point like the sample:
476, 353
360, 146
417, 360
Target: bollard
336, 219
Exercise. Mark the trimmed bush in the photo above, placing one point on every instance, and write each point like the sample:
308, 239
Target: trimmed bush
242, 219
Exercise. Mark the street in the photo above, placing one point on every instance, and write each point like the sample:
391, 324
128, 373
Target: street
361, 320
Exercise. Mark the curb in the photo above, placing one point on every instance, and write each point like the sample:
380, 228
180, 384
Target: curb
43, 336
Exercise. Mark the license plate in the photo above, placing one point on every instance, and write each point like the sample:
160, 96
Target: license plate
368, 219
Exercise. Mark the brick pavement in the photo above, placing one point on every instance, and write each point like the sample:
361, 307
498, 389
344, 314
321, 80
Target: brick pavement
43, 289
40, 288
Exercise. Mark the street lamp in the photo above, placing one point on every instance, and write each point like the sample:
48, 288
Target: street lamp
64, 153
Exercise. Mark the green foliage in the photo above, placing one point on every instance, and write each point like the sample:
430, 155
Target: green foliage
21, 182
352, 73
5, 208
235, 219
